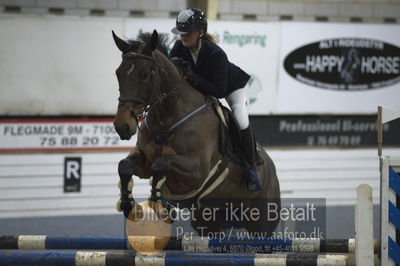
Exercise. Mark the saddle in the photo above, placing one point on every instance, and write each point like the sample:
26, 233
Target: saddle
230, 134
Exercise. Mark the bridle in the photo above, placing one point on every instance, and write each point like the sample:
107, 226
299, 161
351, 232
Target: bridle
129, 103
159, 136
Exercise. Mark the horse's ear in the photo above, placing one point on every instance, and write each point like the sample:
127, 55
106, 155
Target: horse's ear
122, 45
153, 40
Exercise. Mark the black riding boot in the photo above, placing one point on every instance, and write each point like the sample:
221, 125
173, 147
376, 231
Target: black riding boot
253, 179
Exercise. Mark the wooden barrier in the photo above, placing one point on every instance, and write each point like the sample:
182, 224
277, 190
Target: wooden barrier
105, 258
364, 226
32, 242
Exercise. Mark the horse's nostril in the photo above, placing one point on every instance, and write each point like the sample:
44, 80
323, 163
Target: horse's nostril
123, 130
126, 128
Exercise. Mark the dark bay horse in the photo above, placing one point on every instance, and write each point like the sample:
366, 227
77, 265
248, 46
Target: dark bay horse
178, 143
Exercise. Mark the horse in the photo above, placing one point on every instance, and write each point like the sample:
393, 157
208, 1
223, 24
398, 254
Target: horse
179, 144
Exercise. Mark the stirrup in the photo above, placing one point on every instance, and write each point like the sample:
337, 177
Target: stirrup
254, 182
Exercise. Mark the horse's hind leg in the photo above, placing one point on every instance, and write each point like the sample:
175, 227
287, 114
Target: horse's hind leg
184, 170
181, 168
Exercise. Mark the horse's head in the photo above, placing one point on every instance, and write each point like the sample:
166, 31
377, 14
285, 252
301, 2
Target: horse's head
139, 82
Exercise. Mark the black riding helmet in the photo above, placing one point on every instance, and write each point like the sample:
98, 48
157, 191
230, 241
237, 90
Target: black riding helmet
190, 20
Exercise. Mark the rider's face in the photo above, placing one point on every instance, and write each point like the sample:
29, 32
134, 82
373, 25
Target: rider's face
190, 40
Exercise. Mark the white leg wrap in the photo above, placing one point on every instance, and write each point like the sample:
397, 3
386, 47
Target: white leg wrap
130, 185
118, 206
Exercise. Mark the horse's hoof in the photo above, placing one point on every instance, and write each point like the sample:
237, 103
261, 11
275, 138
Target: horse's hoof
127, 209
126, 206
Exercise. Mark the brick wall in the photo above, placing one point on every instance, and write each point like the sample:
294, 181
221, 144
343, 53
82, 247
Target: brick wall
367, 11
370, 11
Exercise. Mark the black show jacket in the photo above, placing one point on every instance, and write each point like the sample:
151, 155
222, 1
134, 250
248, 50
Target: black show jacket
214, 74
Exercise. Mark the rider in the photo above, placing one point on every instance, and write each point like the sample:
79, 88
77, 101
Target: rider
212, 74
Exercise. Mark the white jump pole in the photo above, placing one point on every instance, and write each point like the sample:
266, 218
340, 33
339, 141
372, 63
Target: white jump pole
364, 226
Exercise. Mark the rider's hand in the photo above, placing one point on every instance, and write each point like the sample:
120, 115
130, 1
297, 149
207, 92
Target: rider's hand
190, 76
186, 69
180, 63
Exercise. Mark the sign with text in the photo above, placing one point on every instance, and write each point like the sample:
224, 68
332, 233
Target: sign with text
338, 68
58, 134
72, 174
323, 131
345, 64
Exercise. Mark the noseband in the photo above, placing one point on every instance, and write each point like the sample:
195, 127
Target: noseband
129, 102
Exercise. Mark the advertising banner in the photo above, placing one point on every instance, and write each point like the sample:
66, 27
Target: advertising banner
338, 68
347, 131
251, 46
59, 134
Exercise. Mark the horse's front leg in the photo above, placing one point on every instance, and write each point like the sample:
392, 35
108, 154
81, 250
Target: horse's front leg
131, 165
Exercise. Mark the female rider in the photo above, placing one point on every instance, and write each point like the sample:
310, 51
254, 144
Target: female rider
214, 75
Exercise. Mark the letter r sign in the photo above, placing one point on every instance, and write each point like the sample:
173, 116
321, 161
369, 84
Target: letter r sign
72, 174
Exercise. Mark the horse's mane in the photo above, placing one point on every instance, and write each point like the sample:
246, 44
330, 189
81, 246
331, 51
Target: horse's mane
162, 45
144, 37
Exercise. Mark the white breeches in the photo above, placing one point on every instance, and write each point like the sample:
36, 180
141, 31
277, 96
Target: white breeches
237, 100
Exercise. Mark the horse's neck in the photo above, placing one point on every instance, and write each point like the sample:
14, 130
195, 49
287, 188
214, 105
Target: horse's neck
182, 100
187, 98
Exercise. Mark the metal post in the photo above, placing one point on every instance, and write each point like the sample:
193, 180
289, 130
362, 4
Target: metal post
208, 6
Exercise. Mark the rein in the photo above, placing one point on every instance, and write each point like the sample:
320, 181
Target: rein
160, 137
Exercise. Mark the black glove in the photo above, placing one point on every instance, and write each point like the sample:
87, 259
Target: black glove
181, 64
186, 69
190, 76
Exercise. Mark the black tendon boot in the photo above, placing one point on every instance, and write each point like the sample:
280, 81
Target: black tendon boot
253, 179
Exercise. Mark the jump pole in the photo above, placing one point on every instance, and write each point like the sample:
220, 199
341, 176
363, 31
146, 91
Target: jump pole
111, 258
316, 245
364, 226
